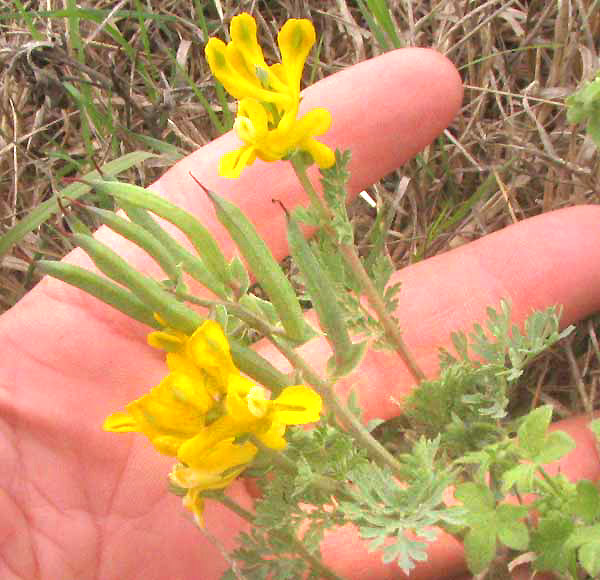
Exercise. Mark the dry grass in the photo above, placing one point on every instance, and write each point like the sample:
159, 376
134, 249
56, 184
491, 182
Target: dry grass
72, 94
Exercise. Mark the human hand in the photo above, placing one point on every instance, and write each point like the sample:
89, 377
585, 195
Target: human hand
76, 502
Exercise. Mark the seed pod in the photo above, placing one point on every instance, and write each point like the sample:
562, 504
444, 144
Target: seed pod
103, 289
257, 367
139, 236
263, 265
201, 238
320, 288
191, 263
146, 289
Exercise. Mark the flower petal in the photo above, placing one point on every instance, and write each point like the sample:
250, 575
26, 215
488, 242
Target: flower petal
274, 436
195, 503
236, 403
119, 422
295, 39
209, 349
243, 35
223, 456
322, 155
233, 163
171, 341
230, 67
297, 405
254, 113
315, 122
169, 414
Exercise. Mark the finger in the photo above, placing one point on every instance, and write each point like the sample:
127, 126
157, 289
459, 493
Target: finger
411, 94
452, 291
384, 110
552, 259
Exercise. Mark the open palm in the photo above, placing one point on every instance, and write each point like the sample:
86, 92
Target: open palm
78, 503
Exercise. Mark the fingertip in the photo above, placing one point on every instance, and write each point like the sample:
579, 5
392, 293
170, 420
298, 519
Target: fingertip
388, 108
584, 461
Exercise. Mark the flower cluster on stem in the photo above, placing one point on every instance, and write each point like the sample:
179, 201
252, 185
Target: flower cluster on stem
205, 413
268, 96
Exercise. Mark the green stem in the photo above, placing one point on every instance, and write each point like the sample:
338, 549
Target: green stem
315, 199
377, 451
297, 545
549, 481
376, 301
356, 266
326, 484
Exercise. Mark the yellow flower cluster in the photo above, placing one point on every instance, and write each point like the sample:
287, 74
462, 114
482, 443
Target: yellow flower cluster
203, 411
269, 96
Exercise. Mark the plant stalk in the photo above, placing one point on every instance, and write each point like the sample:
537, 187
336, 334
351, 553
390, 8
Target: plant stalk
354, 263
298, 546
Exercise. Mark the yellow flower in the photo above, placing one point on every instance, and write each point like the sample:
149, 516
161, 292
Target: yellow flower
213, 468
204, 469
179, 407
268, 96
271, 142
206, 352
241, 67
169, 414
267, 419
250, 411
203, 411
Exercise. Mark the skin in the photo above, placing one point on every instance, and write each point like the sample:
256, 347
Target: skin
76, 502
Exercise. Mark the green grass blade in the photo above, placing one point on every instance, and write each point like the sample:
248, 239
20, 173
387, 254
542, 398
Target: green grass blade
48, 208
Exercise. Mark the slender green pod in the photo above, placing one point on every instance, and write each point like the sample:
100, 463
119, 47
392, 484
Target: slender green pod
192, 264
199, 236
320, 288
146, 289
257, 367
139, 236
103, 289
262, 264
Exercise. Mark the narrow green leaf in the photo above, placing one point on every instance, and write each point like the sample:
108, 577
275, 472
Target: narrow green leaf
26, 14
139, 236
263, 265
320, 289
199, 236
103, 289
374, 26
74, 191
146, 289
